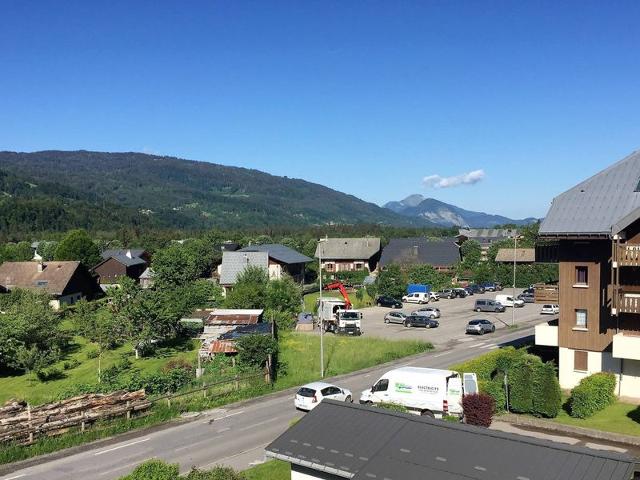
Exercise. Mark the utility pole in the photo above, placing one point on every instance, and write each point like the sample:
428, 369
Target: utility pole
320, 315
513, 294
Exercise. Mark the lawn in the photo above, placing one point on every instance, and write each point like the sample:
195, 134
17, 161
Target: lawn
29, 388
271, 470
300, 354
310, 300
620, 417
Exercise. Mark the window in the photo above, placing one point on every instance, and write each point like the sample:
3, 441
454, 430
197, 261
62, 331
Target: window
359, 266
381, 386
582, 275
581, 318
581, 361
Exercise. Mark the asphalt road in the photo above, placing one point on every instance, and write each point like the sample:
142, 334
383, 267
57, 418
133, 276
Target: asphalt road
235, 436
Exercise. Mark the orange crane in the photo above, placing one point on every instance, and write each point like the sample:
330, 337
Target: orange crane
343, 292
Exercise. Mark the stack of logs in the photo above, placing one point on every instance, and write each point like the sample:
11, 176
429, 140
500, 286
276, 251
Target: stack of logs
20, 423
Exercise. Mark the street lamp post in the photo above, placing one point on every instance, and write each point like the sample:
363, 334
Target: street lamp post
320, 314
513, 294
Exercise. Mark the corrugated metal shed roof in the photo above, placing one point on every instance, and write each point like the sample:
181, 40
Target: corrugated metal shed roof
280, 253
233, 317
595, 205
348, 248
441, 252
523, 255
487, 233
234, 263
218, 346
353, 441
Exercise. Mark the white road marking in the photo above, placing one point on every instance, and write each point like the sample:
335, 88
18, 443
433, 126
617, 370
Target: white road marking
227, 416
225, 429
491, 345
440, 355
274, 419
122, 446
16, 476
477, 345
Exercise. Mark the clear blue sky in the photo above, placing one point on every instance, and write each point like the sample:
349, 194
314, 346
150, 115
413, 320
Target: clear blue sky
362, 96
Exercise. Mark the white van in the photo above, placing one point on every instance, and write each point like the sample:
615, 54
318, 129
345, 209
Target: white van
509, 301
416, 297
424, 391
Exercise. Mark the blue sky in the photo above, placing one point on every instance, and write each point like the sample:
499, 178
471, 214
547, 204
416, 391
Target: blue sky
365, 97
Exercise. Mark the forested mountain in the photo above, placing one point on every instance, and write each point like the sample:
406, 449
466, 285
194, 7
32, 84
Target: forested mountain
58, 190
447, 215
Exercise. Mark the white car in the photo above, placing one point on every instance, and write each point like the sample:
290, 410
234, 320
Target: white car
550, 309
416, 297
434, 296
431, 312
310, 395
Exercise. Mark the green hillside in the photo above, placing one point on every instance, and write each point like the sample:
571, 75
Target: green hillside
58, 190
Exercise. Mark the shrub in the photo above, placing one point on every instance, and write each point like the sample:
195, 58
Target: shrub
547, 396
70, 364
92, 353
478, 409
395, 407
154, 470
177, 363
592, 394
521, 378
218, 473
495, 388
487, 365
48, 374
253, 350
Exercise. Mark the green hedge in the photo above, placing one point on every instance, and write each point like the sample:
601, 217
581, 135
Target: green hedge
521, 380
593, 394
547, 396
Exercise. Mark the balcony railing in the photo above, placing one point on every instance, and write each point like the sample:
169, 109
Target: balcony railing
629, 302
628, 255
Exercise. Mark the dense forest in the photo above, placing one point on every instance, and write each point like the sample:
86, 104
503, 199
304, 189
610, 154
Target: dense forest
54, 191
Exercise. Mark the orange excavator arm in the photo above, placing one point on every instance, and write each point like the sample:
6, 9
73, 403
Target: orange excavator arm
343, 292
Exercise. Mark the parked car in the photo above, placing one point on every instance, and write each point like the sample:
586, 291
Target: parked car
416, 297
420, 321
432, 312
385, 301
460, 292
447, 293
509, 301
469, 291
310, 395
395, 317
480, 327
550, 309
434, 296
489, 287
529, 290
476, 288
488, 305
527, 297
498, 286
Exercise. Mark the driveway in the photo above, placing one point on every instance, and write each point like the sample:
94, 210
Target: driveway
455, 314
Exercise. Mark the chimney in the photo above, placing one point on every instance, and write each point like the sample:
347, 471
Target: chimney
128, 254
40, 267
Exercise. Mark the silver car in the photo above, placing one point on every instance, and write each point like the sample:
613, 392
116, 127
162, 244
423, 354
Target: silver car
480, 327
395, 317
431, 312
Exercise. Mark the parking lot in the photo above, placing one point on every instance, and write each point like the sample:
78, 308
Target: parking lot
455, 314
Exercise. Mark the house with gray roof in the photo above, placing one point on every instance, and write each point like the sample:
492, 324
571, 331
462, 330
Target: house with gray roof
485, 237
118, 263
277, 260
349, 254
594, 230
441, 253
337, 440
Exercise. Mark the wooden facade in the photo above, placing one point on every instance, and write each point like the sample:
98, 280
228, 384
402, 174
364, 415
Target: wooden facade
110, 270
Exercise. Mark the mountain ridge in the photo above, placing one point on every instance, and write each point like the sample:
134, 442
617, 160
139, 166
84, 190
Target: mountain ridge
445, 214
170, 192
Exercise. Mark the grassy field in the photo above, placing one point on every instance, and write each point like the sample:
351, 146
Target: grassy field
617, 418
310, 299
29, 388
271, 470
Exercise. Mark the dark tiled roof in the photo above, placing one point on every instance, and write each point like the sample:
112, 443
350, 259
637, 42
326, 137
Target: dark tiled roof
262, 328
597, 204
135, 252
364, 443
420, 250
279, 253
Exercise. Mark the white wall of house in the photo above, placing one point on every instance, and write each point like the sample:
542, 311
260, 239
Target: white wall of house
627, 372
275, 271
60, 302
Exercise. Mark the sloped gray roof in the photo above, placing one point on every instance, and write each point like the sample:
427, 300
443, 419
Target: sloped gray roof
279, 253
363, 443
597, 204
348, 248
442, 252
113, 252
523, 255
148, 273
234, 263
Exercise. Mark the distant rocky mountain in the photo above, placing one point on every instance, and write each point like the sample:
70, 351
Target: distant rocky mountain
444, 214
59, 190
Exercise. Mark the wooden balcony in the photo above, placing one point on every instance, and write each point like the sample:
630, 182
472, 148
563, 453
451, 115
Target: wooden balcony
545, 293
628, 255
629, 302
